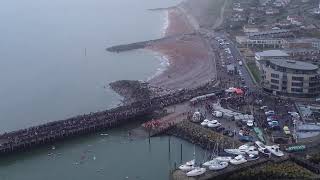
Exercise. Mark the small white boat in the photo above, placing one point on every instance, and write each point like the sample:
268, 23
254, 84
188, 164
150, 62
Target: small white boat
275, 150
223, 158
252, 150
218, 166
205, 122
188, 166
214, 123
262, 148
192, 162
238, 160
252, 157
235, 151
196, 172
211, 162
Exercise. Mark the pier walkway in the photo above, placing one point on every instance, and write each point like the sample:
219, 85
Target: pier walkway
83, 124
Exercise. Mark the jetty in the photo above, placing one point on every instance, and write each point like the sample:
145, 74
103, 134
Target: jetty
141, 44
48, 133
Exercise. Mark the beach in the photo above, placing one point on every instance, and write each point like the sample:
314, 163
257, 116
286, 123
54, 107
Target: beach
190, 64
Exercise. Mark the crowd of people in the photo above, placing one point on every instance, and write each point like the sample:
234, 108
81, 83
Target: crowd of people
95, 121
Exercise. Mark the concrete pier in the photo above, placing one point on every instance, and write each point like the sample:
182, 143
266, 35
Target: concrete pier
25, 139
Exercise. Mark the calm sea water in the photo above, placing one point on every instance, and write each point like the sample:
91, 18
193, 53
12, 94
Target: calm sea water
45, 76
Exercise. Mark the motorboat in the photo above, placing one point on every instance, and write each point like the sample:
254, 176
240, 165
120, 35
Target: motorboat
192, 162
205, 122
211, 162
214, 123
238, 160
262, 148
188, 166
196, 172
252, 150
275, 150
223, 158
240, 151
252, 157
235, 151
218, 166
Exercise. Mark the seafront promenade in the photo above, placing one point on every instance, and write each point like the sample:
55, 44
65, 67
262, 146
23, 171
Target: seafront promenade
83, 124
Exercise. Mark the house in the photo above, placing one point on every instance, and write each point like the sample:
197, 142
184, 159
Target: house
270, 54
295, 20
272, 11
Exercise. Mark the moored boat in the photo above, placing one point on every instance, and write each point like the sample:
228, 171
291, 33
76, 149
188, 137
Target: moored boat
238, 160
275, 150
218, 166
196, 172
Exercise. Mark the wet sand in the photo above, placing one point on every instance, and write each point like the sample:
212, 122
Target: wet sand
188, 55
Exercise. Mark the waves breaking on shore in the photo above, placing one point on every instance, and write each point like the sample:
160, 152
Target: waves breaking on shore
164, 64
164, 60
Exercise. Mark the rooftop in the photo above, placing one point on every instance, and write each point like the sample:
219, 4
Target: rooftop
291, 64
272, 53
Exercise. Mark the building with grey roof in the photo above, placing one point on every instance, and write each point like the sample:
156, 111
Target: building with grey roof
290, 78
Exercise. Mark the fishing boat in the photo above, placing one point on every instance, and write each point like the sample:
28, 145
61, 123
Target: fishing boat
196, 172
275, 150
205, 122
238, 160
218, 166
214, 124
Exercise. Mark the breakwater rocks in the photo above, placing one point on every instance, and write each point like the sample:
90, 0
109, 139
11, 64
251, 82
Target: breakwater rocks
83, 124
142, 44
131, 90
201, 136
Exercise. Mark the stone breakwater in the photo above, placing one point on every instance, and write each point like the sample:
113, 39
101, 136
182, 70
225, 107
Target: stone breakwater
83, 124
201, 136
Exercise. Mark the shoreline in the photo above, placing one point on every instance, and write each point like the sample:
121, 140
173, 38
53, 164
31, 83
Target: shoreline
188, 56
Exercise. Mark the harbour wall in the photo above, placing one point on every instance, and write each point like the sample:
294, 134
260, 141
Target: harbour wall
28, 138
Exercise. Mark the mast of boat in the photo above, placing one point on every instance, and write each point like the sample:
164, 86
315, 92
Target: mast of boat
85, 51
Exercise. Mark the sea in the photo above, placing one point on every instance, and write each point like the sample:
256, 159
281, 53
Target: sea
53, 65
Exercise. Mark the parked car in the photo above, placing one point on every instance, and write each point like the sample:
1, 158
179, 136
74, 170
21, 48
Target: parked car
246, 138
286, 130
269, 113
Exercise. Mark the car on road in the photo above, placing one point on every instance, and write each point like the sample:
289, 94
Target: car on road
263, 107
240, 63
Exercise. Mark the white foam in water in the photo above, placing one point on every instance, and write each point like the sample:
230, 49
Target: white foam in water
166, 23
164, 64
